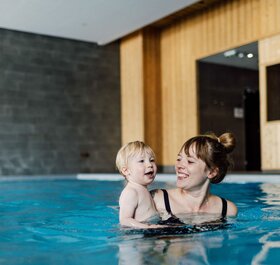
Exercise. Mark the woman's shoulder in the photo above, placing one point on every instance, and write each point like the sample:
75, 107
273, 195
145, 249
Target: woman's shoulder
159, 192
232, 209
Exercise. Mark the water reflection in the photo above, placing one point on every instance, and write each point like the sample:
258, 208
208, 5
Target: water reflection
253, 238
270, 240
271, 193
190, 249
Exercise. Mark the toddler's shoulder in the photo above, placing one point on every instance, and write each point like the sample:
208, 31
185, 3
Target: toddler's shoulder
128, 192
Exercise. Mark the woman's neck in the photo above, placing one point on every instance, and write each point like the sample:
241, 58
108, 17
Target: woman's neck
197, 199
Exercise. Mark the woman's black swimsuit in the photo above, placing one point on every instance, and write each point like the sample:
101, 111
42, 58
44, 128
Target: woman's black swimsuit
174, 220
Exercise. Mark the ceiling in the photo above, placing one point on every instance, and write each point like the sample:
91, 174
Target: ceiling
237, 57
98, 21
104, 21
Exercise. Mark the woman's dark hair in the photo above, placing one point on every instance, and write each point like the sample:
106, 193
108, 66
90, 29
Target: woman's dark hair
213, 151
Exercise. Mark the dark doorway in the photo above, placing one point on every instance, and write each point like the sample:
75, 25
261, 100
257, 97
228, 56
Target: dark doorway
252, 128
228, 86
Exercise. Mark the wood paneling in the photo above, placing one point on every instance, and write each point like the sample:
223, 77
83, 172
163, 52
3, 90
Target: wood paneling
140, 90
269, 54
152, 92
224, 25
179, 102
132, 105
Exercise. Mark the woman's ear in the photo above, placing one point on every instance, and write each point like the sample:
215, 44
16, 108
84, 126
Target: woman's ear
213, 173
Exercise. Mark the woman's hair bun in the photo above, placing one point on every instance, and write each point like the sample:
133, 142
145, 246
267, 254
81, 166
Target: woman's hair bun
228, 141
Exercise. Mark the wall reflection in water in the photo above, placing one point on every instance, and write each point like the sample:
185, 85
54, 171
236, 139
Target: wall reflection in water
271, 193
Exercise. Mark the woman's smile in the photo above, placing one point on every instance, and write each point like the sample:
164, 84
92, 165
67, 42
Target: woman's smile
182, 174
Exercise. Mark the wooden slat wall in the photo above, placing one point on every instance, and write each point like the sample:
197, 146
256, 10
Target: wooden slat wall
179, 101
269, 51
152, 91
225, 25
132, 107
140, 89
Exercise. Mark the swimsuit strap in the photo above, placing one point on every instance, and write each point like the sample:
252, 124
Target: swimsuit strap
168, 209
166, 201
172, 220
224, 209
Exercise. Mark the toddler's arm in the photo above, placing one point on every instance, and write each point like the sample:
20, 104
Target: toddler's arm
128, 203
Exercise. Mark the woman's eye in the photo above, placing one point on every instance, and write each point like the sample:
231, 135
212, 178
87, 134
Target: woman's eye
152, 160
141, 161
190, 162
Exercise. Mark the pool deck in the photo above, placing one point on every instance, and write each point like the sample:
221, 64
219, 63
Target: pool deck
230, 178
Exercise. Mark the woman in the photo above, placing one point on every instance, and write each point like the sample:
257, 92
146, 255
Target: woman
202, 160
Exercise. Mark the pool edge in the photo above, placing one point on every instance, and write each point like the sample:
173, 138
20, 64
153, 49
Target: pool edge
162, 177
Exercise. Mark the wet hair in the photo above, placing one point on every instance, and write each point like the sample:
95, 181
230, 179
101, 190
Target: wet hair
130, 150
214, 151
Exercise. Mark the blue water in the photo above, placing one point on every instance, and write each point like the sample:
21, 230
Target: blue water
76, 222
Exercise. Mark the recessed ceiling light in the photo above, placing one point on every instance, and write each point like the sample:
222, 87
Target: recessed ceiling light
230, 53
240, 55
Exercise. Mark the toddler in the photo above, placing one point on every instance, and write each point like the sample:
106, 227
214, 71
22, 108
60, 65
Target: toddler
136, 162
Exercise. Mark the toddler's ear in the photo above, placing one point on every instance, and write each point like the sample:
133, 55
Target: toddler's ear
125, 171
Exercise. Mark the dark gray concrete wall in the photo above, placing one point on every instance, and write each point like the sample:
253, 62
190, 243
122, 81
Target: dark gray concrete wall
59, 105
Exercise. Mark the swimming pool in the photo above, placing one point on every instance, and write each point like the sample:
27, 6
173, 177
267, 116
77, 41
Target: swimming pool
73, 221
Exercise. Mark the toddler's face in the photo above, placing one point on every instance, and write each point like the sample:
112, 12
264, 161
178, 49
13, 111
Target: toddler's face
141, 169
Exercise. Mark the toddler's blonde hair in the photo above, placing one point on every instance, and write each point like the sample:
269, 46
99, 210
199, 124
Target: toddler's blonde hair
129, 150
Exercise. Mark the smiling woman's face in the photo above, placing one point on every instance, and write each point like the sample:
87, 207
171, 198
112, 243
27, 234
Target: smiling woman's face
190, 170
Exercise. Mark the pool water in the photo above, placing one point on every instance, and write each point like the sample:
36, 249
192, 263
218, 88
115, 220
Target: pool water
76, 222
